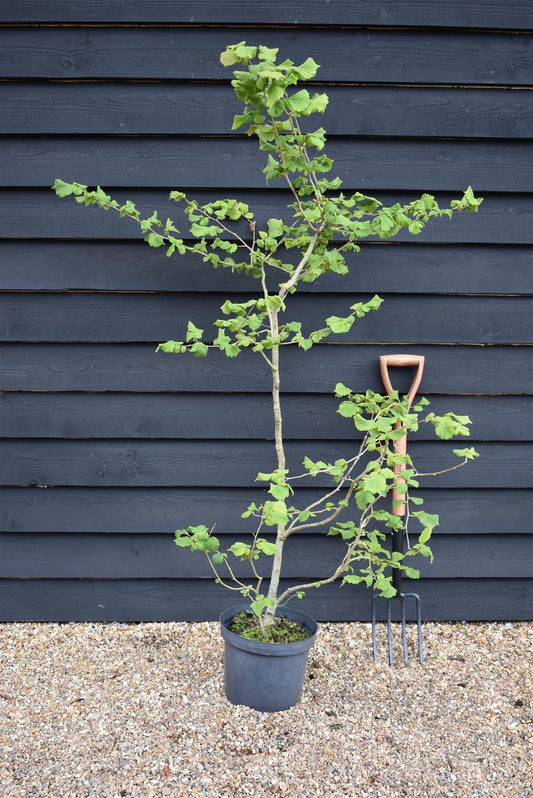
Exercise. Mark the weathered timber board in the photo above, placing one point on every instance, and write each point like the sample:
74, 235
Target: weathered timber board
134, 600
236, 463
161, 510
192, 53
136, 367
64, 556
232, 162
38, 213
232, 416
125, 318
418, 13
181, 108
408, 268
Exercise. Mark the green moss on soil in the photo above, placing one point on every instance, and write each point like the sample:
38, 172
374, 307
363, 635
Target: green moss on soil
245, 624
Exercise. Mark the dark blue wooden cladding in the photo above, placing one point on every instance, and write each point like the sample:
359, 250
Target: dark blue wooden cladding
497, 14
119, 463
396, 164
192, 53
36, 213
172, 109
408, 268
502, 511
136, 367
107, 446
401, 318
83, 556
135, 600
230, 416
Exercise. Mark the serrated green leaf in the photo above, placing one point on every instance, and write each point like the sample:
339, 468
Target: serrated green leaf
199, 349
265, 546
193, 331
298, 102
342, 390
347, 410
240, 549
337, 324
275, 513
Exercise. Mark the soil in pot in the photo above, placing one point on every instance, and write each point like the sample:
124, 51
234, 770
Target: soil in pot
282, 630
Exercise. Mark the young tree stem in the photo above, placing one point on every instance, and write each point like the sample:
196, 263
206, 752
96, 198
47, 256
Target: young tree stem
280, 452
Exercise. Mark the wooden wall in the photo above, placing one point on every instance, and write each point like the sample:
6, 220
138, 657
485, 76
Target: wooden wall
108, 447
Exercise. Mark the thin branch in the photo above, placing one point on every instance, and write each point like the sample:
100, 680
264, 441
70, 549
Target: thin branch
286, 287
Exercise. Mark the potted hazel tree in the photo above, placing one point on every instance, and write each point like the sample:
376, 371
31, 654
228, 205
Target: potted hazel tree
267, 642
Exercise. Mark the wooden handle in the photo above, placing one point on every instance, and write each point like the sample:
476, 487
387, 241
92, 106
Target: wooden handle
402, 360
400, 446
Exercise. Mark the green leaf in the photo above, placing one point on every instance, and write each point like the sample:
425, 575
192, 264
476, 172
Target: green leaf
375, 483
267, 53
279, 491
63, 189
193, 332
468, 454
266, 547
337, 324
272, 169
275, 228
352, 579
173, 347
342, 390
298, 102
363, 498
427, 519
199, 349
240, 549
318, 103
275, 513
274, 93
385, 588
347, 409
307, 70
260, 603
211, 544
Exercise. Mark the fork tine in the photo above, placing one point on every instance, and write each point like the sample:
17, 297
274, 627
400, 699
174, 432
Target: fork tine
404, 631
389, 631
374, 642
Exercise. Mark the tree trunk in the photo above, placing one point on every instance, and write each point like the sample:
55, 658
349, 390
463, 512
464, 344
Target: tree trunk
280, 452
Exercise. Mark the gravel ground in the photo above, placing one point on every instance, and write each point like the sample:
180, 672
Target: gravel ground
138, 711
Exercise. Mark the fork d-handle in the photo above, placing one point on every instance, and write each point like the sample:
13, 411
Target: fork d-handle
400, 447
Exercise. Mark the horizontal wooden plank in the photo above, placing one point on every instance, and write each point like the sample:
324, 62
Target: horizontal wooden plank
38, 213
217, 416
199, 109
418, 13
161, 510
236, 463
192, 53
85, 556
386, 267
207, 162
134, 600
136, 367
119, 318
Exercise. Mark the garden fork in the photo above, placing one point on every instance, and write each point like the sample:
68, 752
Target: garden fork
398, 508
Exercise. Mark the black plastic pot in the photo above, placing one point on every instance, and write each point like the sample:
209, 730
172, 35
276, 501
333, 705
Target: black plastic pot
265, 676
